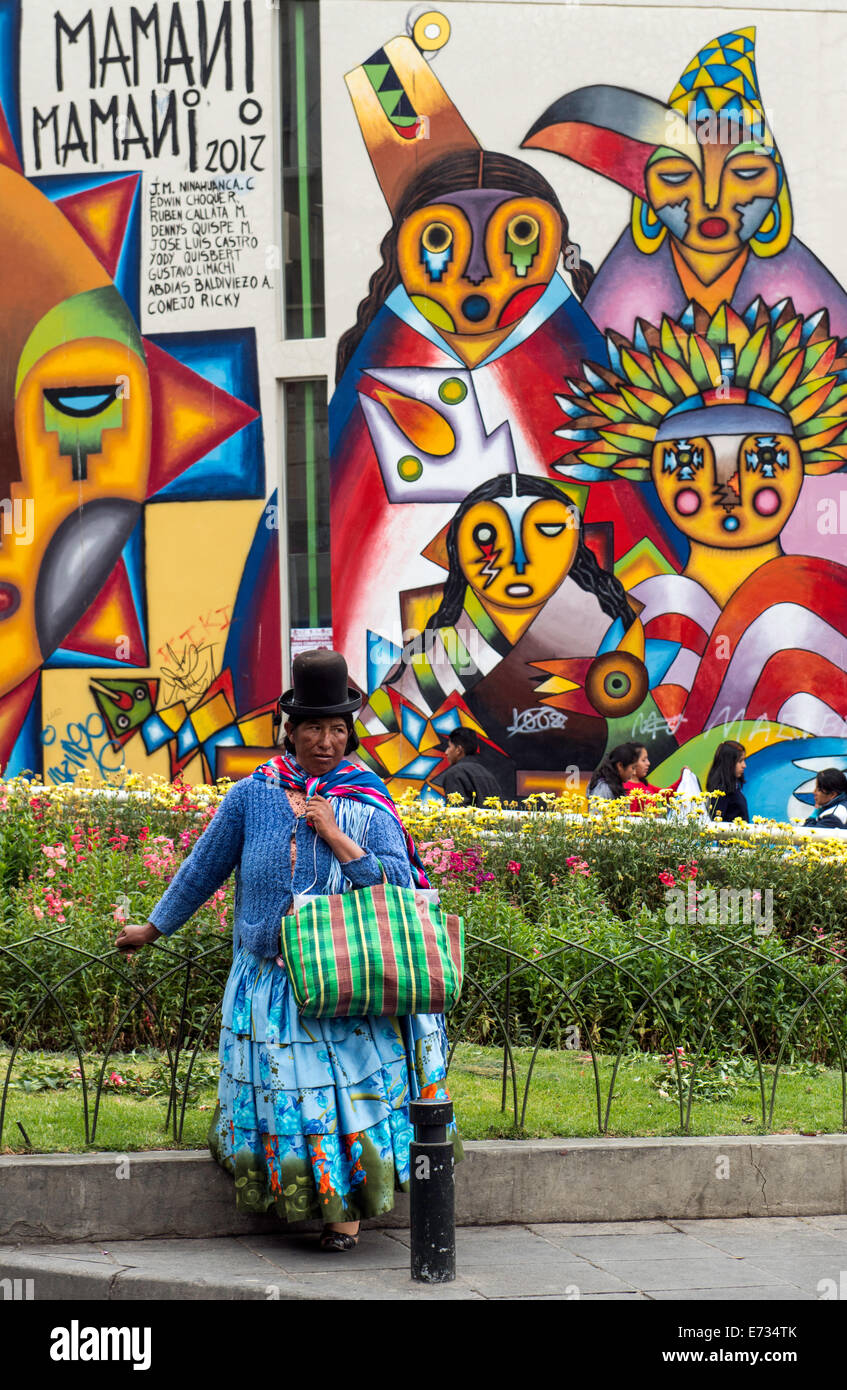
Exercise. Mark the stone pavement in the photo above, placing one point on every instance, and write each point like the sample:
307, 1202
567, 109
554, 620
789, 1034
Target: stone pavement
750, 1258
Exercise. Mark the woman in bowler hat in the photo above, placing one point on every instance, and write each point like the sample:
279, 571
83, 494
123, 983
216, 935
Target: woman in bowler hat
313, 1115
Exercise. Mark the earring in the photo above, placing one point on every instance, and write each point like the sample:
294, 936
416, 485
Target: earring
776, 231
648, 232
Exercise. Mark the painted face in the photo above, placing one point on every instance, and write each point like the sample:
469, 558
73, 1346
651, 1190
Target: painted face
717, 210
729, 490
82, 426
477, 261
515, 552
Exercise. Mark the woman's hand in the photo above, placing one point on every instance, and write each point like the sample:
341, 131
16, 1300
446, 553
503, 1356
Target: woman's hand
133, 938
321, 817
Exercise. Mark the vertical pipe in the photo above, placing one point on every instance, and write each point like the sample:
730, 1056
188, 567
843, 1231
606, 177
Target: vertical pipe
303, 168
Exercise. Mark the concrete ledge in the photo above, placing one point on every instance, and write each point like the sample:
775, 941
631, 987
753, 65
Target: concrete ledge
84, 1197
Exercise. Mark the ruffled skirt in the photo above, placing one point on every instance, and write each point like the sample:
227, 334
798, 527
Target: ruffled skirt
313, 1114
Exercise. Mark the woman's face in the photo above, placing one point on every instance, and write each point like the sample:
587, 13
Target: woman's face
823, 798
515, 551
477, 261
319, 744
627, 771
717, 209
731, 491
740, 766
642, 765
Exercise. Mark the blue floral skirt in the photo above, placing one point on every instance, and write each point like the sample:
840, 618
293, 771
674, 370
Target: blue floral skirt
313, 1114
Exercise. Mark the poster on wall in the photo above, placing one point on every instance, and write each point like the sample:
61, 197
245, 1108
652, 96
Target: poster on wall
139, 599
601, 481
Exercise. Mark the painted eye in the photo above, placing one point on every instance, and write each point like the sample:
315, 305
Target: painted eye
766, 457
484, 534
523, 234
523, 229
674, 179
550, 528
81, 402
436, 249
437, 237
683, 460
749, 173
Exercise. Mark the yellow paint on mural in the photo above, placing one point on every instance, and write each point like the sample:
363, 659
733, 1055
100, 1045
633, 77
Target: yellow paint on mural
195, 554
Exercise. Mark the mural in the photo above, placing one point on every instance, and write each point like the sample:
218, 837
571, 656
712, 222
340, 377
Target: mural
123, 455
711, 211
592, 502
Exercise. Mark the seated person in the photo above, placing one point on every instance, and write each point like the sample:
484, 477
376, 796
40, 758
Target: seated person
830, 811
727, 775
642, 789
617, 768
467, 773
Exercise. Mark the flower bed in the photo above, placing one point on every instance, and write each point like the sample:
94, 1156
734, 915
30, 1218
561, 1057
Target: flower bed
609, 929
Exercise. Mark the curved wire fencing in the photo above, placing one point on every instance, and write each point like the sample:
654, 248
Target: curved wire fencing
169, 998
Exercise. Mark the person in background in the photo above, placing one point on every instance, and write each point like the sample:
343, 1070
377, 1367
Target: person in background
727, 775
617, 768
830, 811
467, 773
642, 789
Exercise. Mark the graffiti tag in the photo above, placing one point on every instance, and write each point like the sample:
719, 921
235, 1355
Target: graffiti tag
196, 631
651, 724
191, 672
86, 747
536, 721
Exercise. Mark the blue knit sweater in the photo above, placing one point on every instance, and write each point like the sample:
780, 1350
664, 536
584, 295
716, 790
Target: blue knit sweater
251, 833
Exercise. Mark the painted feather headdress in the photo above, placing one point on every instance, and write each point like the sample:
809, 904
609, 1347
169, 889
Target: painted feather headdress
767, 360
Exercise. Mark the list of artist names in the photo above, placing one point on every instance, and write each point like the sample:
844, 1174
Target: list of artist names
204, 248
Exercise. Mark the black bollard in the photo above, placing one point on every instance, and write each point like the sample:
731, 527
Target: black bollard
432, 1197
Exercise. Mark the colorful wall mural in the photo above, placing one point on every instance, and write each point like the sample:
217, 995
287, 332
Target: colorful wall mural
575, 506
139, 581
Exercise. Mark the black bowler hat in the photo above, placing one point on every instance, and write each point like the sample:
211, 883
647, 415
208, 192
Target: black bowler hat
320, 685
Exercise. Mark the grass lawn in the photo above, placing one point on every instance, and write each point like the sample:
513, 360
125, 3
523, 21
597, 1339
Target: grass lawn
561, 1100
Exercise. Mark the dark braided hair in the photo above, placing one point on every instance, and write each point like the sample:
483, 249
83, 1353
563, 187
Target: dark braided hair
586, 572
465, 169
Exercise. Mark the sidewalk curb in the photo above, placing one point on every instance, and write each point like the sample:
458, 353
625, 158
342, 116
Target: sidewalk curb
87, 1197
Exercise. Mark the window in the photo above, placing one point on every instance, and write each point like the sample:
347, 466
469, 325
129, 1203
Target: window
307, 494
302, 190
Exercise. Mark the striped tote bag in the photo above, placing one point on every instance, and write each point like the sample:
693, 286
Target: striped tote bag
373, 951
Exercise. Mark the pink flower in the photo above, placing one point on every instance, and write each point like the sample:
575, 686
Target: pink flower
578, 866
513, 866
667, 878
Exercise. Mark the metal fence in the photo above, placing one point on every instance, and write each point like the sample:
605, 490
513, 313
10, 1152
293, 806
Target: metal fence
193, 980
